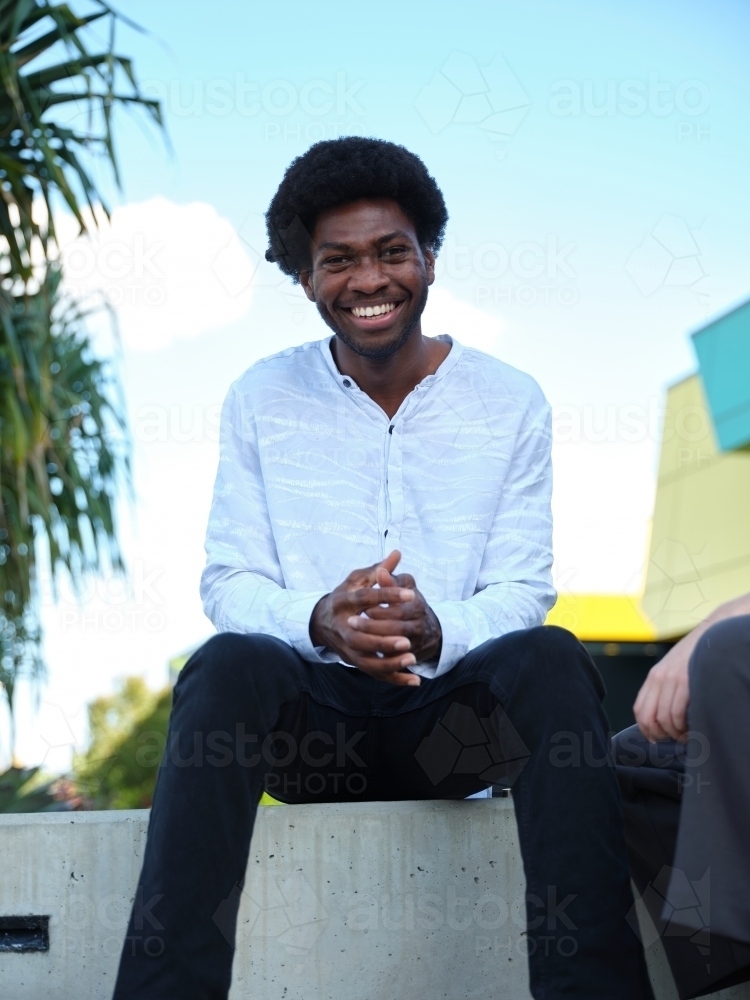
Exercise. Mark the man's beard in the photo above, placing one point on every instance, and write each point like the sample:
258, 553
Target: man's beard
383, 351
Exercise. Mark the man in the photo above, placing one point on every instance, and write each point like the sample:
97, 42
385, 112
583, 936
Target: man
342, 463
684, 778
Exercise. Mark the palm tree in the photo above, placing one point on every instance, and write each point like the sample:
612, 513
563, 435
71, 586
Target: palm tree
64, 454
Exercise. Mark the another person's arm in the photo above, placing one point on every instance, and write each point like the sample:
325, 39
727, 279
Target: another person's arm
661, 706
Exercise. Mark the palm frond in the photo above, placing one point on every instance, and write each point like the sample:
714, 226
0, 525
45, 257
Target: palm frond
64, 449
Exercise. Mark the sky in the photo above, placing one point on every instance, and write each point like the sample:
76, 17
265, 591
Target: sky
594, 162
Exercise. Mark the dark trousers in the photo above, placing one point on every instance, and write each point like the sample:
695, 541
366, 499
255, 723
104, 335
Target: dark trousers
687, 819
249, 714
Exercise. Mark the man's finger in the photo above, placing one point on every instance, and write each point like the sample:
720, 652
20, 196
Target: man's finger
393, 669
391, 561
402, 678
368, 576
367, 597
390, 626
384, 579
388, 645
403, 611
399, 676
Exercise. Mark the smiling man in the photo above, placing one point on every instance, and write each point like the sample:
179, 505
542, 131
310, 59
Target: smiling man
379, 554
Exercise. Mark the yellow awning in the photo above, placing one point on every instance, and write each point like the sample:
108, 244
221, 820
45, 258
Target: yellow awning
602, 618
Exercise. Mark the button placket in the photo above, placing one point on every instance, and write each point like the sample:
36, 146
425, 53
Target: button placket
393, 485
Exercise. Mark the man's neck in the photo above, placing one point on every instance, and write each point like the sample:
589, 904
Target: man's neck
388, 381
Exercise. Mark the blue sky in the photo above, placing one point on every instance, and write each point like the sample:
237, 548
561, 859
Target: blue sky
594, 159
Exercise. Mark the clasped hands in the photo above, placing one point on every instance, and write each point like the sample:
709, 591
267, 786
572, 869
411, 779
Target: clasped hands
359, 620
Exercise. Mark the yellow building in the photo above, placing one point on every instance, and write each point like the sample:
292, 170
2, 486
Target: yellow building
699, 555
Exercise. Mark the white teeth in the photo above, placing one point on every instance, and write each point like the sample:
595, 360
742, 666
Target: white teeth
361, 311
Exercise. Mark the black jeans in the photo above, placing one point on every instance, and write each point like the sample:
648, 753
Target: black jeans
249, 714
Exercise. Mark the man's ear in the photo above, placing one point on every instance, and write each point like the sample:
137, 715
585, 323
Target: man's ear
429, 261
305, 279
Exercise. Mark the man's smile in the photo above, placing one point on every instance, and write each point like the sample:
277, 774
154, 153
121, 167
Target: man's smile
374, 315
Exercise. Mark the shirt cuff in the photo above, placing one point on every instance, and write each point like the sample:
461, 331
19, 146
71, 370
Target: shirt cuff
456, 639
297, 626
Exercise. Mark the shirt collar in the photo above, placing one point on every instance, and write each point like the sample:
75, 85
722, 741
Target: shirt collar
453, 355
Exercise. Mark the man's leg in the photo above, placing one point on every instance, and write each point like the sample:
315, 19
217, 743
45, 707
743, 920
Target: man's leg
526, 708
240, 704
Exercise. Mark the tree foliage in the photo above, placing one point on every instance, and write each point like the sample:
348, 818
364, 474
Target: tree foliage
128, 732
63, 447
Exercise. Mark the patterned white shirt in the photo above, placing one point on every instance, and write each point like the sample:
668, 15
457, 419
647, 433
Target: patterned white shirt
314, 481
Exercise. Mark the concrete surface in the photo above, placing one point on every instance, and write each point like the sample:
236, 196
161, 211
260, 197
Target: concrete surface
374, 901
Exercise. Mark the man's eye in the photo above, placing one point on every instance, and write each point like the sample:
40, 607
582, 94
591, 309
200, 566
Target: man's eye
395, 251
337, 261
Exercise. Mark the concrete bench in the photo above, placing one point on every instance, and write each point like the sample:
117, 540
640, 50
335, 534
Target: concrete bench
373, 901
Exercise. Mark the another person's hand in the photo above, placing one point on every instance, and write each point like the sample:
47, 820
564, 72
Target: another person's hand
661, 706
331, 623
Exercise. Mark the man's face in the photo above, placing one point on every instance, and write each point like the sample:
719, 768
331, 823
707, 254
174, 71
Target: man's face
369, 276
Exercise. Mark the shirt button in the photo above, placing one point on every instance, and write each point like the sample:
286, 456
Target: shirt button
347, 383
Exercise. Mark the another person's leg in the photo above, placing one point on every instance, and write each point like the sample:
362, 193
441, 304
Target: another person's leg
525, 710
697, 789
651, 777
715, 821
241, 704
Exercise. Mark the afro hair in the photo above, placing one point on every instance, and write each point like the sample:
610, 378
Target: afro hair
339, 171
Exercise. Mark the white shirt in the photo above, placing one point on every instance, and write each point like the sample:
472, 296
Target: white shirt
315, 481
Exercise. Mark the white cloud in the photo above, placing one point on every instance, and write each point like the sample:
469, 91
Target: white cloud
469, 325
168, 270
174, 271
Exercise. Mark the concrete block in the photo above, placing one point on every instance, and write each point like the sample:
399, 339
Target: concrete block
370, 901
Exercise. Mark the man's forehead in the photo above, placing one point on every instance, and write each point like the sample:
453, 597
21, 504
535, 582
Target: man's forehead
365, 221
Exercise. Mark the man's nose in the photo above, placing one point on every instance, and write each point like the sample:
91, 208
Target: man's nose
368, 276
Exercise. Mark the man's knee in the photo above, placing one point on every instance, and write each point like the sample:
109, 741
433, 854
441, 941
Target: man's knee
230, 663
720, 664
552, 675
558, 663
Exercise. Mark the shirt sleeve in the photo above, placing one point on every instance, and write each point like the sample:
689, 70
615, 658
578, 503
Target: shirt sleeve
514, 588
242, 586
